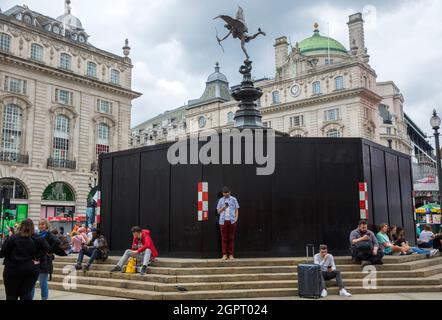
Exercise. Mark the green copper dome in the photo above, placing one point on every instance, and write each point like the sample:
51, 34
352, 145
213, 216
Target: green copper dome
319, 44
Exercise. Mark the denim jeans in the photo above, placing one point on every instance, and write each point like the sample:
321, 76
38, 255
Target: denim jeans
92, 253
44, 288
145, 256
325, 276
421, 251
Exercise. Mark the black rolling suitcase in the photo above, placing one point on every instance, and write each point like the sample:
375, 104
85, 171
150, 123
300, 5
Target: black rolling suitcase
309, 278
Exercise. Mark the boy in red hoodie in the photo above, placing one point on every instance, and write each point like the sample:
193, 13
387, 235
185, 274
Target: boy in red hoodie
143, 248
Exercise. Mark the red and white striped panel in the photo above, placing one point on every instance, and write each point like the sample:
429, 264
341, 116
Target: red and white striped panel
203, 201
363, 200
98, 209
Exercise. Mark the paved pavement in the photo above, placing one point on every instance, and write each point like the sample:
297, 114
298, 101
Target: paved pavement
61, 295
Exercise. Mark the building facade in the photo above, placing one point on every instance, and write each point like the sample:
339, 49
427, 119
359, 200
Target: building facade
62, 103
320, 89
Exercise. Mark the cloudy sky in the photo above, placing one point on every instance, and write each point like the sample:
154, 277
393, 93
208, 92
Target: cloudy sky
174, 47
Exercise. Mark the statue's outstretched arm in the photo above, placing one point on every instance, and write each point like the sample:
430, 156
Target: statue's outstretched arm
219, 40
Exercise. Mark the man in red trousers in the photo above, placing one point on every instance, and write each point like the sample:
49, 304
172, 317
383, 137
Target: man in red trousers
228, 210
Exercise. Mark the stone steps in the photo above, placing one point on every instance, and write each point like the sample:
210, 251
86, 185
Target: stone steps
242, 278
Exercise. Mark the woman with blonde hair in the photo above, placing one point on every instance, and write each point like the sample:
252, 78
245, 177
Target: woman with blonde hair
23, 253
46, 266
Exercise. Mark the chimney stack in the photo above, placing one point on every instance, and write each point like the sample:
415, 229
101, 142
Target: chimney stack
281, 52
357, 36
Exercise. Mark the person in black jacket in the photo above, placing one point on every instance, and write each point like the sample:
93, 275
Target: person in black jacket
23, 253
46, 266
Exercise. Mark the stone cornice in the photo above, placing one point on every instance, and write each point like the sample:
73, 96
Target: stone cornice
25, 29
40, 67
323, 98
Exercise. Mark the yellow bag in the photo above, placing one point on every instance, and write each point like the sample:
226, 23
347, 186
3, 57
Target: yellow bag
131, 266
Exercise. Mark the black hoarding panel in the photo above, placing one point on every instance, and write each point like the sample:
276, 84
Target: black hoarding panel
294, 194
154, 196
379, 188
338, 172
393, 189
106, 198
406, 199
254, 195
125, 199
366, 162
185, 231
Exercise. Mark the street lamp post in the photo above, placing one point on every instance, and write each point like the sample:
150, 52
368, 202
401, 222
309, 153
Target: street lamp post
435, 124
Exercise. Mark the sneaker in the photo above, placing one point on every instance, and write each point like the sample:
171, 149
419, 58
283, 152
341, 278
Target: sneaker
231, 258
324, 293
78, 267
344, 293
224, 258
86, 267
116, 269
143, 270
434, 252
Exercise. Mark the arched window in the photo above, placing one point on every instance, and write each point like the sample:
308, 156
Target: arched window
91, 69
103, 139
275, 97
14, 189
230, 117
65, 61
333, 133
11, 129
316, 86
58, 191
5, 42
61, 138
339, 83
115, 76
36, 52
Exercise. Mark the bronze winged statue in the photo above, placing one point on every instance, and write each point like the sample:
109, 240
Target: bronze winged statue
238, 29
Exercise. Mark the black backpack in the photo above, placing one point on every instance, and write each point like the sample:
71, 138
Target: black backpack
63, 247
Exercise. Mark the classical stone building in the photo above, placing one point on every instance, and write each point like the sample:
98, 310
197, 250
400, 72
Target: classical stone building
62, 103
320, 89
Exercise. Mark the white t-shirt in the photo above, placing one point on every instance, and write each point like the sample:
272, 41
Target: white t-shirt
227, 214
426, 236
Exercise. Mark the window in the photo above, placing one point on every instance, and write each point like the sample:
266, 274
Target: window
297, 121
267, 124
103, 135
316, 87
115, 76
365, 82
65, 61
328, 61
61, 138
64, 97
339, 83
230, 117
12, 120
13, 189
333, 133
275, 97
58, 191
202, 122
388, 130
5, 42
15, 85
36, 52
91, 69
332, 115
104, 106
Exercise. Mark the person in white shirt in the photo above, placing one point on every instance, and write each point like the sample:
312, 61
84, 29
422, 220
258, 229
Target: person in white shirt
328, 271
426, 237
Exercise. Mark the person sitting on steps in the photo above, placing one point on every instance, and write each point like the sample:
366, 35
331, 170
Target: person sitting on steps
328, 271
426, 238
364, 246
401, 241
385, 244
143, 249
97, 248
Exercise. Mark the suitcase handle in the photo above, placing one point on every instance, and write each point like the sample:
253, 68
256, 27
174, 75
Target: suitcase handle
313, 251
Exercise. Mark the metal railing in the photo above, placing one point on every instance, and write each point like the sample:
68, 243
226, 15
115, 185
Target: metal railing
62, 163
14, 157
